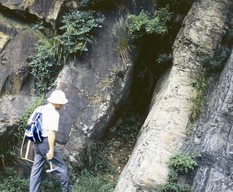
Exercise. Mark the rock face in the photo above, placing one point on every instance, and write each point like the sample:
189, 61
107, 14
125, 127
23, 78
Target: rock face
164, 130
213, 137
16, 44
96, 87
43, 9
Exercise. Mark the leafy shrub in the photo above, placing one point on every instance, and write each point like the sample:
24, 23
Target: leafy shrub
182, 163
94, 159
87, 182
11, 182
146, 24
129, 127
215, 62
94, 170
173, 187
48, 61
43, 28
173, 176
52, 53
77, 28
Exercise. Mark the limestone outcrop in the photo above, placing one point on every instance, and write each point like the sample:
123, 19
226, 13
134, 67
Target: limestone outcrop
164, 129
98, 83
16, 45
213, 138
96, 86
47, 10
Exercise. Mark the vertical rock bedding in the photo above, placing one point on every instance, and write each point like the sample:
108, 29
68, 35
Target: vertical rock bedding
164, 130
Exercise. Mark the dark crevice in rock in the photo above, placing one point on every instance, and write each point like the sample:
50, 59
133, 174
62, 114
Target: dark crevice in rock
5, 86
8, 30
21, 16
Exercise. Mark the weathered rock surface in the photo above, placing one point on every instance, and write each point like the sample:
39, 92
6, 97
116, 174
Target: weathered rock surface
16, 45
164, 130
213, 137
96, 87
43, 9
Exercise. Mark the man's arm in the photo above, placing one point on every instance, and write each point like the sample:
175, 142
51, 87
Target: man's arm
51, 141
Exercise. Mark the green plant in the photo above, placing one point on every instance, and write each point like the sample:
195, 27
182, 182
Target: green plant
173, 176
94, 159
182, 163
215, 62
150, 25
173, 187
48, 61
76, 28
164, 58
123, 37
41, 27
212, 64
129, 127
95, 169
179, 165
28, 112
11, 182
198, 99
87, 182
52, 53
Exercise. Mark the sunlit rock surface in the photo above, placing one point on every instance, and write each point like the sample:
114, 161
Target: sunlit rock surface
164, 130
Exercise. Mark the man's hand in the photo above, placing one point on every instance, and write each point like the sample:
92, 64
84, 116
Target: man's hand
50, 154
51, 141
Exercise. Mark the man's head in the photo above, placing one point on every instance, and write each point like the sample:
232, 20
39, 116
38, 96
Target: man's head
57, 98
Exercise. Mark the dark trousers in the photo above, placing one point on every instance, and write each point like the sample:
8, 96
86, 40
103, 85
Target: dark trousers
39, 160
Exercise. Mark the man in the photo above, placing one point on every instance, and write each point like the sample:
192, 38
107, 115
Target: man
47, 149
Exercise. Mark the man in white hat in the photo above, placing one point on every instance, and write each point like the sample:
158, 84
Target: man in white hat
47, 149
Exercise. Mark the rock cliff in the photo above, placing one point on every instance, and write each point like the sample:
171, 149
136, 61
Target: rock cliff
17, 44
47, 10
98, 84
96, 87
213, 138
164, 130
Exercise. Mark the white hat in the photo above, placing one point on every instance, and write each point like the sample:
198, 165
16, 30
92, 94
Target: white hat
57, 97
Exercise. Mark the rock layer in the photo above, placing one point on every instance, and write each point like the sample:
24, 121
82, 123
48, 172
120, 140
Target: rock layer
213, 137
96, 86
16, 45
43, 9
164, 130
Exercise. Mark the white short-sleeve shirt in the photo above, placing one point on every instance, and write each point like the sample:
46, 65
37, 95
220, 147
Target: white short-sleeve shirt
50, 118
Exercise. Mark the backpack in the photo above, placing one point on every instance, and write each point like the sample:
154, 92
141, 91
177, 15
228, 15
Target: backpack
34, 130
